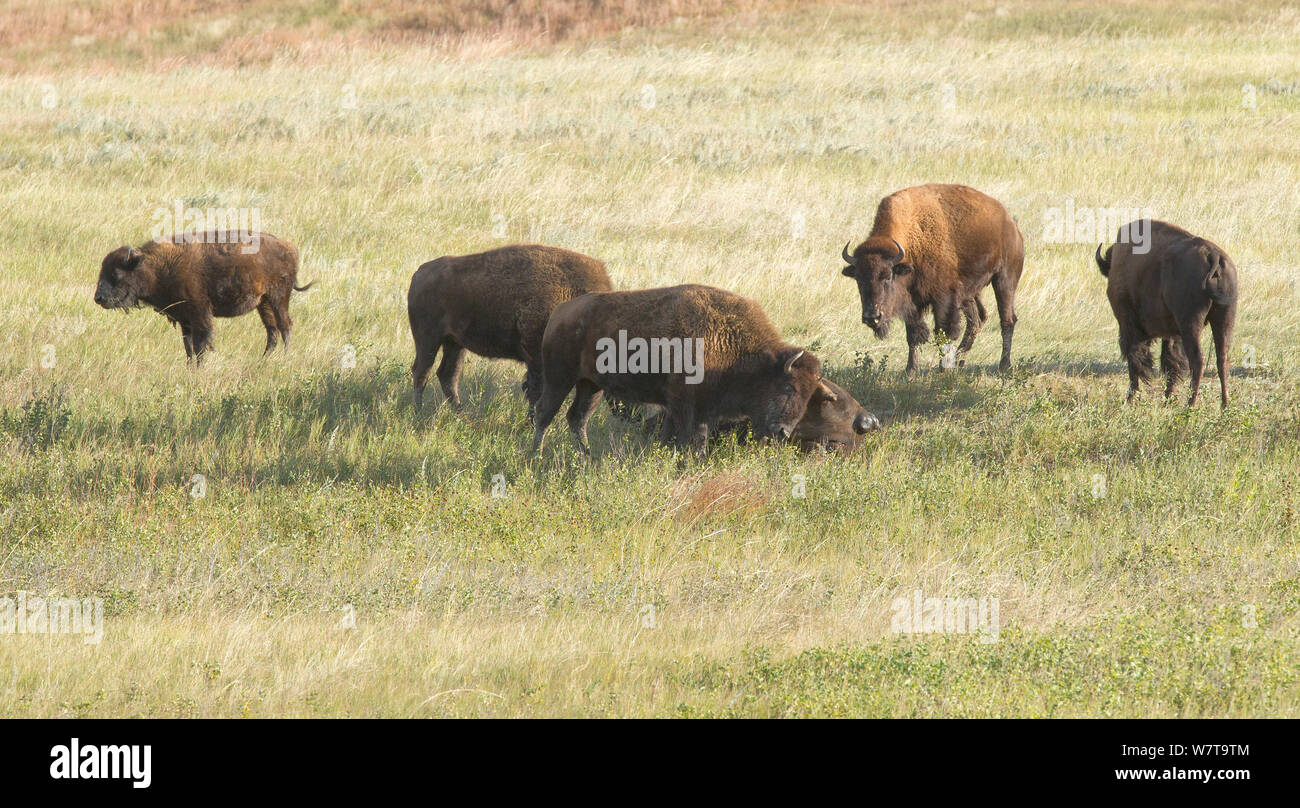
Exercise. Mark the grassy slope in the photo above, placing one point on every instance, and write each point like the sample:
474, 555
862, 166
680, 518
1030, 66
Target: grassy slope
766, 148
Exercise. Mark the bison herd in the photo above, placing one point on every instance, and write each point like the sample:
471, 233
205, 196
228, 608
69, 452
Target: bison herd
695, 359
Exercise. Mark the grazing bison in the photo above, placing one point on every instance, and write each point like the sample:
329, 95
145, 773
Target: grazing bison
935, 247
834, 421
191, 278
494, 304
1171, 291
706, 355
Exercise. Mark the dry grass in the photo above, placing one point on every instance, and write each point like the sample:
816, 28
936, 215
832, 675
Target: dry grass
741, 150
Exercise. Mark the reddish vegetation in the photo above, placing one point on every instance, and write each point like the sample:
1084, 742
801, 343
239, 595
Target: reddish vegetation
39, 29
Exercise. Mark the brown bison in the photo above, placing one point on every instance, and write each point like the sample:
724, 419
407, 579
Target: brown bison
706, 355
494, 304
834, 421
191, 278
1170, 291
935, 247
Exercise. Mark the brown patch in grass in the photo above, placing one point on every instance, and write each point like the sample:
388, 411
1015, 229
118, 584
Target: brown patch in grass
707, 495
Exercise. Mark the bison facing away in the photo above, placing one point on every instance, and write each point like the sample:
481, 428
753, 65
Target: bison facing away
194, 277
935, 247
1170, 292
715, 357
494, 304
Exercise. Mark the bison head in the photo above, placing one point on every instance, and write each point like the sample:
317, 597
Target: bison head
782, 393
877, 264
123, 279
834, 420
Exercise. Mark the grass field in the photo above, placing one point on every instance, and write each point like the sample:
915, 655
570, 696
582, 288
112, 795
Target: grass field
285, 537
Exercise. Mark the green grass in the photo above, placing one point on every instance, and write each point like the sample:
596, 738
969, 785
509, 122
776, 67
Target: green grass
645, 583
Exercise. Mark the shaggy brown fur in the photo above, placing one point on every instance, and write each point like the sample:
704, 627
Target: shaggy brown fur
834, 421
1170, 292
935, 247
494, 304
193, 278
748, 371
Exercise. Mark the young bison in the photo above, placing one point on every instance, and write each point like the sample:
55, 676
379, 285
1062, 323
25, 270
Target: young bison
494, 304
834, 421
713, 357
192, 278
1170, 292
935, 247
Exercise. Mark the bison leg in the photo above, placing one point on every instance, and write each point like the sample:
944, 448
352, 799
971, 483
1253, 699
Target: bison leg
1173, 363
283, 321
1136, 350
553, 394
266, 311
532, 388
1195, 357
187, 337
917, 335
1221, 327
947, 318
200, 339
1004, 292
584, 402
449, 370
976, 316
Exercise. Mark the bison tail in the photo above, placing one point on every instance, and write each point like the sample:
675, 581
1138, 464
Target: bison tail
1103, 261
304, 288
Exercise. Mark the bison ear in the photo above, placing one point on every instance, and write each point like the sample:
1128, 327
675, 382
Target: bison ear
133, 258
826, 393
847, 272
901, 269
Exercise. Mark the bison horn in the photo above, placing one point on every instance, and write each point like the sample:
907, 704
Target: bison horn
901, 251
848, 259
789, 363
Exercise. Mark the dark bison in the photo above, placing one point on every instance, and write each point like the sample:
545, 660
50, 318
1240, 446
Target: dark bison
193, 277
1171, 291
706, 355
935, 247
834, 421
494, 304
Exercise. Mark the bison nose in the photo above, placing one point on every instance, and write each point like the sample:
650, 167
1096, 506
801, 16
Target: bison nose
783, 432
865, 422
872, 319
